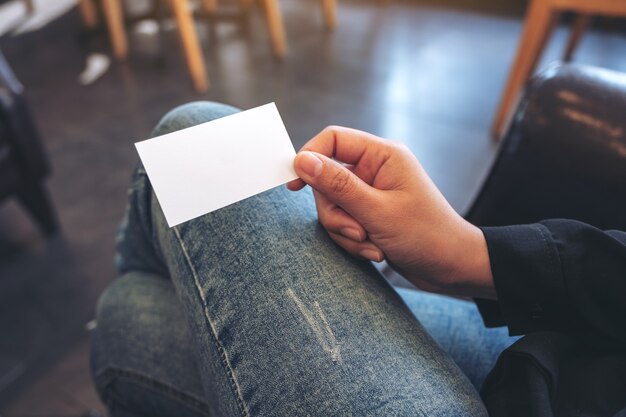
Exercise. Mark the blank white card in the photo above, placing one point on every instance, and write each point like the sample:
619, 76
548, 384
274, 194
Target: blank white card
206, 167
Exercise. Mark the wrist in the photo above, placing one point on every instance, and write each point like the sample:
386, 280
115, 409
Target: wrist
471, 274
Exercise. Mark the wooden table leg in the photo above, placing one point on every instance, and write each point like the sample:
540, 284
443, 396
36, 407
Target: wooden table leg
115, 23
330, 13
276, 27
580, 25
540, 19
88, 12
191, 45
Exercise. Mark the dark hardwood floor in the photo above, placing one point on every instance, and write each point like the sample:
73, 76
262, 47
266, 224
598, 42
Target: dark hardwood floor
427, 73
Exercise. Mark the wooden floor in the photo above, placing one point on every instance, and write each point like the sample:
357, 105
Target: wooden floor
429, 75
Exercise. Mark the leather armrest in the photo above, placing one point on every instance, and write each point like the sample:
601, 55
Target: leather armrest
564, 155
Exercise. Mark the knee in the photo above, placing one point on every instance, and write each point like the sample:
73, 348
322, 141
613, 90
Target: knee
192, 114
140, 333
134, 314
128, 298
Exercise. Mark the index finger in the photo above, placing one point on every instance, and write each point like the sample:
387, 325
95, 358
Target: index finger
343, 144
364, 152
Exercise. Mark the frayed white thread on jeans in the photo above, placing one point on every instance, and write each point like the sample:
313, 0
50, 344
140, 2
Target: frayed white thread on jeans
324, 335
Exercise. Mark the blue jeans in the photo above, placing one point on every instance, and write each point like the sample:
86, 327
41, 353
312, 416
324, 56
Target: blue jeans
252, 310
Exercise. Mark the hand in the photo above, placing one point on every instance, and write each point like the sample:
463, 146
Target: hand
376, 201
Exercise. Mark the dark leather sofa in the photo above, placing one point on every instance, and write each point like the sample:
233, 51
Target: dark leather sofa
564, 155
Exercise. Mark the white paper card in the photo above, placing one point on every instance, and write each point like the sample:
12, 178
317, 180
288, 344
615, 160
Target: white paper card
206, 167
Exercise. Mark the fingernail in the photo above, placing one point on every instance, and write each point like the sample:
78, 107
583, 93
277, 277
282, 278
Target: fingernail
351, 233
310, 164
371, 254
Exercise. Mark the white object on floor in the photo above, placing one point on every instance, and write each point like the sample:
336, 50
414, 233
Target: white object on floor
203, 168
11, 13
95, 67
45, 11
147, 27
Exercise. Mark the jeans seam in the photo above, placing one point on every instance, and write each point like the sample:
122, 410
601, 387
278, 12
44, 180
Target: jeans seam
220, 348
107, 377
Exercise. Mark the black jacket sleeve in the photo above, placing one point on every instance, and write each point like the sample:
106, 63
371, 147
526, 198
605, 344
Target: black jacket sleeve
559, 275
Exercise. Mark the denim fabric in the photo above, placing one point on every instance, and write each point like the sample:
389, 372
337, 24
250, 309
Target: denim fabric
143, 361
458, 327
252, 310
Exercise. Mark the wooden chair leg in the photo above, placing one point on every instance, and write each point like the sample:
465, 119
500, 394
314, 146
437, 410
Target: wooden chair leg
329, 8
276, 27
540, 20
191, 45
115, 24
580, 25
88, 12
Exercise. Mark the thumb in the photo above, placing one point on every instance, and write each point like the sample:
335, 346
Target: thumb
335, 182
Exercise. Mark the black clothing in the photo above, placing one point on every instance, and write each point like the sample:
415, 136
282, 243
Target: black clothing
563, 284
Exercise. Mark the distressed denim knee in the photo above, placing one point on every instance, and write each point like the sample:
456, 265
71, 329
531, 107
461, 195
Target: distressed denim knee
282, 321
